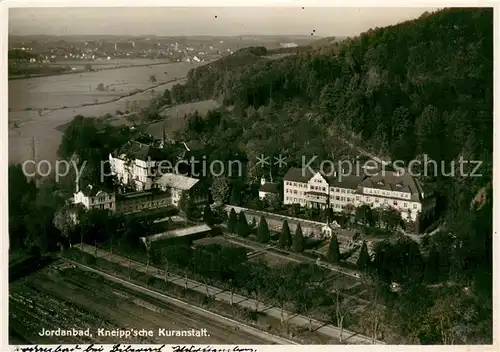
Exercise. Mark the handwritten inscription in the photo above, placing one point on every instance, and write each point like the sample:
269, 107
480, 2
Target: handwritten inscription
89, 348
211, 349
129, 348
60, 348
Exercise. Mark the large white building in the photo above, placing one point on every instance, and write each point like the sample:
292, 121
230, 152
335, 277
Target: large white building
314, 189
134, 165
385, 189
397, 190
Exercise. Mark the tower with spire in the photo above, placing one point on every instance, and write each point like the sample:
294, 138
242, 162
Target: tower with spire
164, 138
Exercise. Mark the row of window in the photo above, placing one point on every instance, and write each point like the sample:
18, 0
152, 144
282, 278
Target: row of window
103, 206
133, 207
101, 199
296, 184
386, 201
344, 199
295, 200
387, 193
319, 188
337, 198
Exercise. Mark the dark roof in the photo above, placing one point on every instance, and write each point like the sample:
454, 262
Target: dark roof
269, 187
92, 190
137, 150
186, 231
393, 181
297, 174
345, 181
342, 181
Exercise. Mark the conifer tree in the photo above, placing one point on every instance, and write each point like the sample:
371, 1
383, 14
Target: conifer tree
242, 228
364, 258
263, 231
232, 221
285, 239
333, 254
298, 240
208, 216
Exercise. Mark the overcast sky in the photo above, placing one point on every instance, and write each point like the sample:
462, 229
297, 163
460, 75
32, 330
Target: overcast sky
202, 21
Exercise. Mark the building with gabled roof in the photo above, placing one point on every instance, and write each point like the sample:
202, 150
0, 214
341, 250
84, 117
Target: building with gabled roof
180, 185
311, 188
398, 190
134, 164
390, 189
268, 189
184, 235
95, 197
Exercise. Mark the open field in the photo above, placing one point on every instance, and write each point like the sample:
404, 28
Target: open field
72, 298
102, 64
78, 89
65, 90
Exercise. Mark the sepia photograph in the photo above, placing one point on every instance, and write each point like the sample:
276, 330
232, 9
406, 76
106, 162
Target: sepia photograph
273, 175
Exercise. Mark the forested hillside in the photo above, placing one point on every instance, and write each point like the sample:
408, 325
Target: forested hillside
420, 87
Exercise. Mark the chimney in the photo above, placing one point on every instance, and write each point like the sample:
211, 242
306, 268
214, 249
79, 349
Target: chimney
262, 180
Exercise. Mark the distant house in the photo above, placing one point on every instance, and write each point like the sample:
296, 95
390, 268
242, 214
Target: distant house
267, 189
94, 197
329, 229
179, 185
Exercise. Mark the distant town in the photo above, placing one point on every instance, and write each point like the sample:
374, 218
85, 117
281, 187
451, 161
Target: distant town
65, 53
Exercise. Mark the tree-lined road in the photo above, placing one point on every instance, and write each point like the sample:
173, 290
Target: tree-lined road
246, 302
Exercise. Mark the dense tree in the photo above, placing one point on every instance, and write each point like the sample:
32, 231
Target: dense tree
235, 198
364, 214
21, 198
220, 189
399, 260
65, 220
390, 217
328, 215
